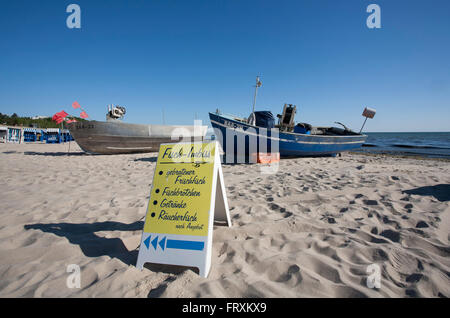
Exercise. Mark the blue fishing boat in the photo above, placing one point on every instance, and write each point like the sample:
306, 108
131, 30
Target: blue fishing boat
259, 133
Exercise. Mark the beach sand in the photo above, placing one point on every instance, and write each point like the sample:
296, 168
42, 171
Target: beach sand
313, 229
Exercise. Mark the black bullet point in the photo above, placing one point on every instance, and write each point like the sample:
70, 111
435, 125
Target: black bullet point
153, 214
155, 202
160, 173
157, 190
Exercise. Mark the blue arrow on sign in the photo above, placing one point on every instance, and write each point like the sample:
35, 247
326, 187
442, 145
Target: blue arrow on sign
147, 241
174, 244
162, 243
154, 242
185, 245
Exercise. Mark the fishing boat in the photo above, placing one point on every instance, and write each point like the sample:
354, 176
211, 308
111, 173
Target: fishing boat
260, 133
114, 136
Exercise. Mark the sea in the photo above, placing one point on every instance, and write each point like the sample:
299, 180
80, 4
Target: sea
424, 144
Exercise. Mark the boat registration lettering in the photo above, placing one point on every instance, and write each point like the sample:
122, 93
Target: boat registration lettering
84, 126
232, 125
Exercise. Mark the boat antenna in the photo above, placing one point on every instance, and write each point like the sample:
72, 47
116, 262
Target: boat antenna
258, 84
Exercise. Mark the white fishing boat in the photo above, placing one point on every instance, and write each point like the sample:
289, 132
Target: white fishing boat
114, 136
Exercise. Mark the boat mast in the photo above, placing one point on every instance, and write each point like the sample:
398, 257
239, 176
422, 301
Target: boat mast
258, 84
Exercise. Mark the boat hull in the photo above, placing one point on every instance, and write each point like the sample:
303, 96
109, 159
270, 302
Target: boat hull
113, 137
288, 144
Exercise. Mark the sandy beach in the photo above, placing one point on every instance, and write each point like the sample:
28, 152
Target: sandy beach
310, 230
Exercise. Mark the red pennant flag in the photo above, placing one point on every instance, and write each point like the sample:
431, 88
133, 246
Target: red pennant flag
83, 114
61, 114
76, 105
59, 117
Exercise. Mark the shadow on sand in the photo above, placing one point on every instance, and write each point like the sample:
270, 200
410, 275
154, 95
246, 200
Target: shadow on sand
9, 152
439, 191
91, 245
149, 159
54, 154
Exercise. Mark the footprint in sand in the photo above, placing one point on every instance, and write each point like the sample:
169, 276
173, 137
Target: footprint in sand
276, 207
391, 235
414, 278
421, 225
281, 274
370, 202
331, 220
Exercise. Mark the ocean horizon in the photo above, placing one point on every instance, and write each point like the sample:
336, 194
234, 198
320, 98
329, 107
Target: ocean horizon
428, 144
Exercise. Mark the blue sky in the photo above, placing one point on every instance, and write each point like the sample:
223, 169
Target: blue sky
191, 57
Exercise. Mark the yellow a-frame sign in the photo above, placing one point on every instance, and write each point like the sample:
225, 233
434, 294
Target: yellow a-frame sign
187, 195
